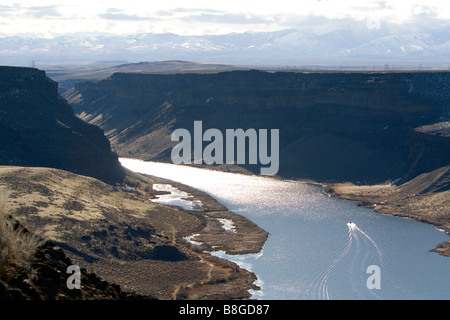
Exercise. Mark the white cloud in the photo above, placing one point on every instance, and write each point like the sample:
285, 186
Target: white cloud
55, 17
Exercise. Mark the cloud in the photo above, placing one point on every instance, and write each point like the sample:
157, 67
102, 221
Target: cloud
42, 11
428, 12
124, 17
113, 10
6, 8
226, 18
177, 11
209, 17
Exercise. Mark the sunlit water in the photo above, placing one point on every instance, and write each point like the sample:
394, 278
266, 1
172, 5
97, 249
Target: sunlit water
321, 247
176, 197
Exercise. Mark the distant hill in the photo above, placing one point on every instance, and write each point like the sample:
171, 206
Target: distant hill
38, 128
67, 77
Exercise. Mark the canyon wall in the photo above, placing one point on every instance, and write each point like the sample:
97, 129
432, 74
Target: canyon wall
39, 128
334, 126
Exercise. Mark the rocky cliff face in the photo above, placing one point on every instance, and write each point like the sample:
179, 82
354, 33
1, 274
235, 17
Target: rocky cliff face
333, 126
39, 128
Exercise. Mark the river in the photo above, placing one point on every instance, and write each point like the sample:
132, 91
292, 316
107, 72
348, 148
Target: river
321, 247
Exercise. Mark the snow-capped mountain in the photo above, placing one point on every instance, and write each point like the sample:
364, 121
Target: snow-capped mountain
294, 46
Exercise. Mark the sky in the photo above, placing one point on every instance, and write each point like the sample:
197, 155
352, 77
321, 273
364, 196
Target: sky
51, 18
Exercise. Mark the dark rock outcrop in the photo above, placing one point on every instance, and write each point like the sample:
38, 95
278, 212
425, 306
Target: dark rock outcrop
49, 281
339, 126
39, 128
45, 274
168, 253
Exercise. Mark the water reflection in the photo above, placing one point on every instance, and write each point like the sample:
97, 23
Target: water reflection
320, 247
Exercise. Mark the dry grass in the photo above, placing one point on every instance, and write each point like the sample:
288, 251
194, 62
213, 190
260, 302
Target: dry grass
112, 231
17, 244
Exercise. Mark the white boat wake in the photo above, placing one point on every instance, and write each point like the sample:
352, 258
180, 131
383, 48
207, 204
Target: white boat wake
321, 288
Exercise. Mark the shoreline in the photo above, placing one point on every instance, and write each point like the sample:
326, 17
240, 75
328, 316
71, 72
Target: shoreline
217, 238
119, 234
248, 237
194, 291
384, 199
373, 197
202, 276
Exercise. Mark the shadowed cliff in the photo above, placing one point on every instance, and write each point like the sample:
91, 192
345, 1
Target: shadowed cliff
113, 230
38, 128
343, 126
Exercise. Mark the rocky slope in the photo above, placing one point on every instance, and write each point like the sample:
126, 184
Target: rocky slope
341, 126
46, 275
39, 128
123, 237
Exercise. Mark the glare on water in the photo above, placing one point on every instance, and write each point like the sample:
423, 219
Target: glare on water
321, 247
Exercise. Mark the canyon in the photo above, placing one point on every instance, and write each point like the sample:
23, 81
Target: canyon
361, 127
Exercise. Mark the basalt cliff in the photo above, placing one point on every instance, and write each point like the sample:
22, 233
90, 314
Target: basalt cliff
38, 128
65, 199
362, 127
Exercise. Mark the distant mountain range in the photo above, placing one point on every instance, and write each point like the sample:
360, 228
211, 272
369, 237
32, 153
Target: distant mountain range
358, 44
